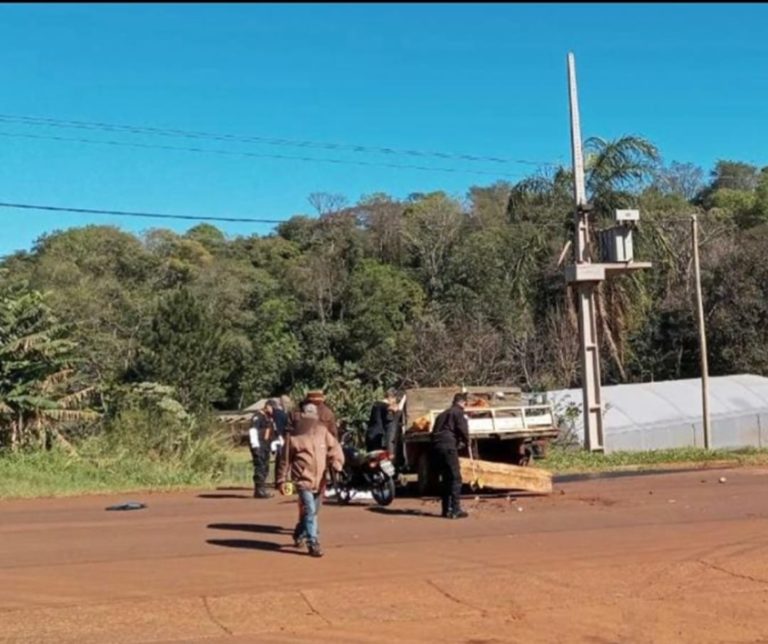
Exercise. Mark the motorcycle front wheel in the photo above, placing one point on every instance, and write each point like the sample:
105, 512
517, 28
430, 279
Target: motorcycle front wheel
383, 489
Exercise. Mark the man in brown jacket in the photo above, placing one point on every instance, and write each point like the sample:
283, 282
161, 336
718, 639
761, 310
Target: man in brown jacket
309, 449
324, 412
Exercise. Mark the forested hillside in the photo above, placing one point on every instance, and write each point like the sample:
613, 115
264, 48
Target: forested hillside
432, 289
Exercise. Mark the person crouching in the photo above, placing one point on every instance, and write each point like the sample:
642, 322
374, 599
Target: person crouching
309, 449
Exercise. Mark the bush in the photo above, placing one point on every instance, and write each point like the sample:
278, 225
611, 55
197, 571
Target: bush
161, 437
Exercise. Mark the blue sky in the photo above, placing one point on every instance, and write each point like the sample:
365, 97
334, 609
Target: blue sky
475, 79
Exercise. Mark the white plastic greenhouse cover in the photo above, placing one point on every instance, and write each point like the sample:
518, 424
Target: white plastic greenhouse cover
660, 415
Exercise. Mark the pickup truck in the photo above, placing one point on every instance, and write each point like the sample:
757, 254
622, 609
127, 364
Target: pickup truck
502, 429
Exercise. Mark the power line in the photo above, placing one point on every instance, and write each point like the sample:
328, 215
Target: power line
258, 155
126, 213
176, 132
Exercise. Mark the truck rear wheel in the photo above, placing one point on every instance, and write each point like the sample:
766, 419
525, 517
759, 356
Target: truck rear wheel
521, 453
427, 476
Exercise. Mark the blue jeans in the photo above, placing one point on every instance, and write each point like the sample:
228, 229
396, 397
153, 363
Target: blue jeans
307, 527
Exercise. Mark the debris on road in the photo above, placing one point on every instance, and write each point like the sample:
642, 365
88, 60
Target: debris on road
131, 505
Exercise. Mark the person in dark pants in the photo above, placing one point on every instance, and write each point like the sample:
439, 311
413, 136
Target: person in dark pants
261, 435
449, 435
381, 431
280, 421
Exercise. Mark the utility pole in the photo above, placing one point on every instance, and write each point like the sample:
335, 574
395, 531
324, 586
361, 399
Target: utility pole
587, 275
702, 335
589, 349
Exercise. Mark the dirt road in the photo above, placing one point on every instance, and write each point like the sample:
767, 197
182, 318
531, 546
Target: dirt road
662, 558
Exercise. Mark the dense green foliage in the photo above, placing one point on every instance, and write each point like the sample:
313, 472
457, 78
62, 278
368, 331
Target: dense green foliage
428, 290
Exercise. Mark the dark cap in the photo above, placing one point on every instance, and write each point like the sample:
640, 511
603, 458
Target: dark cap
460, 397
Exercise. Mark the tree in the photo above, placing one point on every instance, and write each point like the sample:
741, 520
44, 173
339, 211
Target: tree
38, 385
683, 179
758, 213
431, 230
183, 348
100, 283
207, 235
381, 302
382, 218
325, 203
734, 175
732, 188
737, 309
489, 205
617, 169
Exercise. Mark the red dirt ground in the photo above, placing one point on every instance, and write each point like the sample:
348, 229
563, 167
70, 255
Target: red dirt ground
662, 558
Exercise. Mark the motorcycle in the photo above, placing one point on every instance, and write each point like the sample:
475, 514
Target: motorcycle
365, 472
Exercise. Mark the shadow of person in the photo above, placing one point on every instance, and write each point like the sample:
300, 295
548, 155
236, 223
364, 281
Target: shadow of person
254, 544
402, 512
250, 527
224, 496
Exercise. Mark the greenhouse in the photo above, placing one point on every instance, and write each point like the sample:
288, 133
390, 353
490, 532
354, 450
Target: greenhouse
662, 415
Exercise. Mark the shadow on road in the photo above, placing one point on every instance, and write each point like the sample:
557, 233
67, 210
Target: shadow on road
250, 527
234, 489
224, 496
254, 544
406, 512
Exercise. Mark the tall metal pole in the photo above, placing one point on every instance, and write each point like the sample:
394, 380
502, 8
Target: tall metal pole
702, 335
589, 350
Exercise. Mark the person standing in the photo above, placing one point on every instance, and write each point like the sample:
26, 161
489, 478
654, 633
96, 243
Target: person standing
310, 448
382, 425
280, 421
279, 416
325, 413
261, 434
449, 435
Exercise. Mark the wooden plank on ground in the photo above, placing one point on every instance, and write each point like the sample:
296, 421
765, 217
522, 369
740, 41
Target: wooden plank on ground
501, 476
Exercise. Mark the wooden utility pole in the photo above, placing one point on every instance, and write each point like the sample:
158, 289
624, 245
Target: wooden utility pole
702, 335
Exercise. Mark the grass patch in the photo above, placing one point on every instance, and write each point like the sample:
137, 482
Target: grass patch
574, 461
56, 473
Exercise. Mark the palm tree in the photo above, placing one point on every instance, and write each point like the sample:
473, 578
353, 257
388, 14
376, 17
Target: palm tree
37, 385
616, 171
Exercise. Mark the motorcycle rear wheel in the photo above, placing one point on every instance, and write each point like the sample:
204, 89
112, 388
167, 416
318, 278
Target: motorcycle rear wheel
383, 490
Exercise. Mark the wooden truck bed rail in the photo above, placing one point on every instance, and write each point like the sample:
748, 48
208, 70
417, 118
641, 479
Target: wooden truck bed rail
520, 420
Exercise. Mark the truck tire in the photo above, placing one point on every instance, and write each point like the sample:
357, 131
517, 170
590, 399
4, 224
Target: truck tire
427, 476
521, 453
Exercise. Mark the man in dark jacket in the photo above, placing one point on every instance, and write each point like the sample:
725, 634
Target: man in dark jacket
382, 425
449, 435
